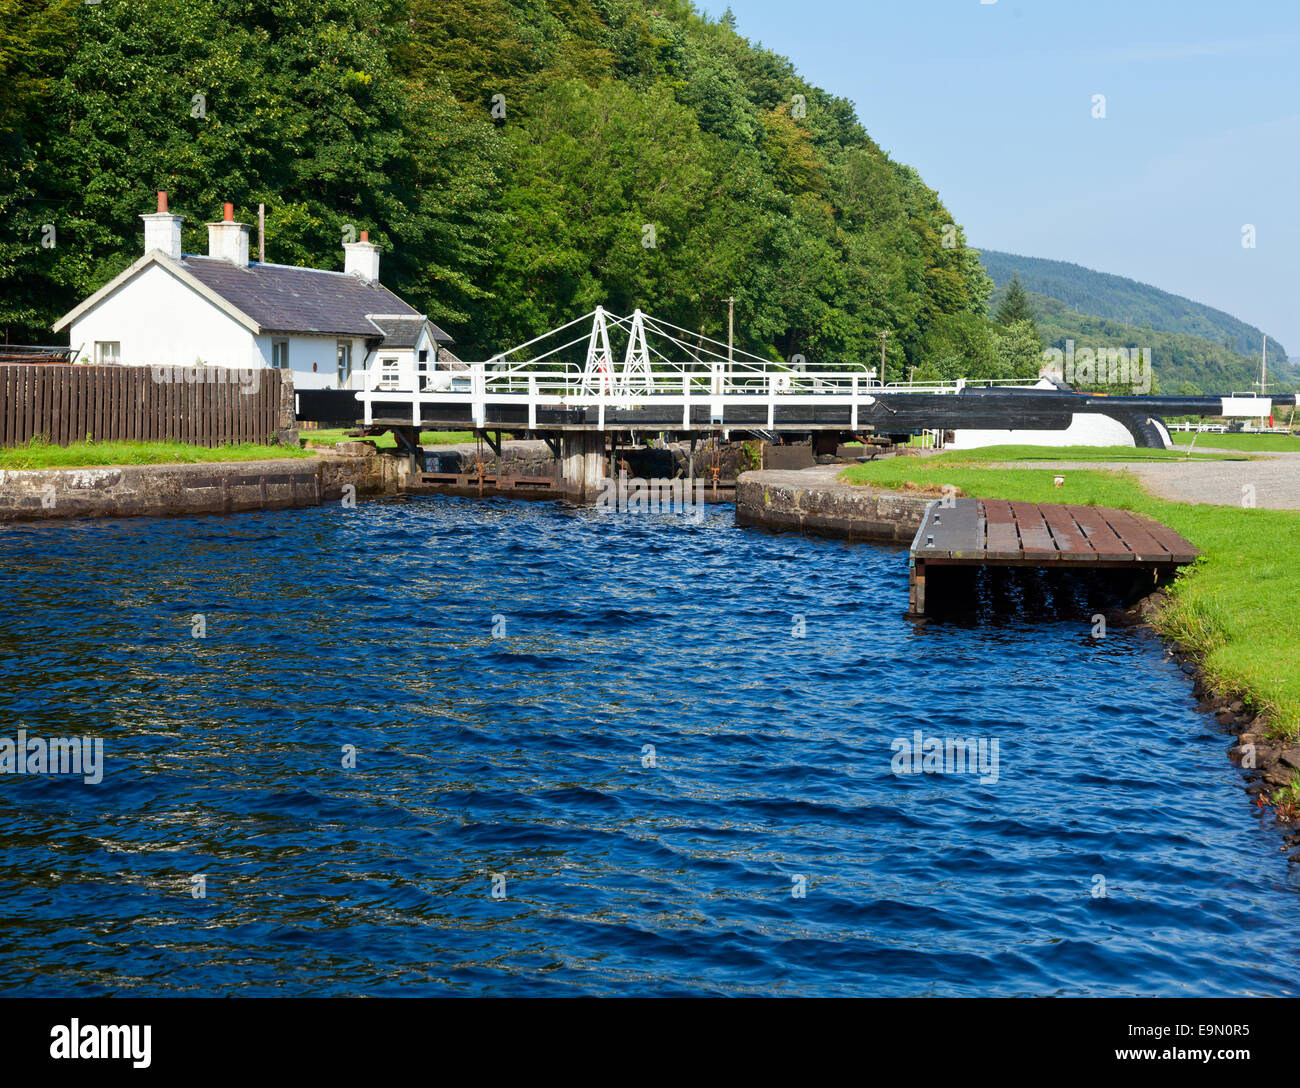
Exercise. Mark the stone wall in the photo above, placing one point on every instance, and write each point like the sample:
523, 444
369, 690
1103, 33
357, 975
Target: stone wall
814, 501
164, 490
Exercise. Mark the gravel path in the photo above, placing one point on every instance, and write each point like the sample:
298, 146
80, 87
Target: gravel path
1275, 478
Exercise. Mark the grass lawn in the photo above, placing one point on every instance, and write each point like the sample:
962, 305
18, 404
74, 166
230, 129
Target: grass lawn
1237, 606
1250, 443
333, 436
991, 454
38, 454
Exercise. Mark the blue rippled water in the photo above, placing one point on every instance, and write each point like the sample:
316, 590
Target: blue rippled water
520, 763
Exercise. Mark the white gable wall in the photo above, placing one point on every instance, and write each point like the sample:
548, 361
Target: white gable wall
313, 359
426, 343
398, 368
406, 360
160, 321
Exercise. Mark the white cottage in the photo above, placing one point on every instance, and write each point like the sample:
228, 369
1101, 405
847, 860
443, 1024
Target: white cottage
175, 309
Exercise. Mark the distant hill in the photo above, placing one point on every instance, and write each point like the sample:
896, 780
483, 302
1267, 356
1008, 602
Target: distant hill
1127, 301
1182, 364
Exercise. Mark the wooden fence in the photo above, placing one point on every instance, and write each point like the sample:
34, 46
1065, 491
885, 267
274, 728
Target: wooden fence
204, 406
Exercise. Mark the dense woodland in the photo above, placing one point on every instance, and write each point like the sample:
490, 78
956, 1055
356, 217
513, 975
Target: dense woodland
520, 161
499, 216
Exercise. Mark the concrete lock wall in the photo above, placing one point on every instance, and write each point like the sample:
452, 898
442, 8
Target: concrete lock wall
165, 490
775, 500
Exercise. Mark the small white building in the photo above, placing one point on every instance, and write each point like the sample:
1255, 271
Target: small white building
176, 309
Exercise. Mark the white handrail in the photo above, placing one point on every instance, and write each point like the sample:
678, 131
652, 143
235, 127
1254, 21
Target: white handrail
645, 378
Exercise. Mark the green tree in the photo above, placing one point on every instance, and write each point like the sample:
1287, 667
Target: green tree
34, 39
1019, 350
1015, 305
961, 346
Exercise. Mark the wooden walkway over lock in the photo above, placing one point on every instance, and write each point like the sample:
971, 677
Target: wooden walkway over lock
994, 532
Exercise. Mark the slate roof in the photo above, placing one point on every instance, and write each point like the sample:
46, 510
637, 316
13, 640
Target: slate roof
404, 332
282, 298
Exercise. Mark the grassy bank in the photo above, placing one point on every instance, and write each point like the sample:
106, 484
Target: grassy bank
38, 454
1003, 454
1247, 443
990, 454
1237, 606
333, 436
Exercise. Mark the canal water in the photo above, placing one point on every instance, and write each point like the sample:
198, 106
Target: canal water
598, 753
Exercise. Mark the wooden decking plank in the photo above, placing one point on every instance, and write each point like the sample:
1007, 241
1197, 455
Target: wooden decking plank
1104, 540
955, 528
1145, 547
1036, 542
1001, 540
1071, 542
1180, 549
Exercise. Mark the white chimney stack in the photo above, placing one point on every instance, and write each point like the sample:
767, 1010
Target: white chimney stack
163, 231
362, 258
228, 240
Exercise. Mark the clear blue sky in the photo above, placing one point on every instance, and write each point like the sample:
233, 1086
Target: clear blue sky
992, 103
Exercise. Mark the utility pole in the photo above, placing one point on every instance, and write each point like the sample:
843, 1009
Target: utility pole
261, 234
883, 333
731, 324
1263, 368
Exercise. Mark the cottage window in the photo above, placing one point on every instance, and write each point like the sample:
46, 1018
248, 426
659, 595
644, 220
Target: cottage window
345, 362
280, 354
388, 373
108, 352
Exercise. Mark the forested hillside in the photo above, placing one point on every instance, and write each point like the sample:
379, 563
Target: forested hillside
520, 161
1128, 302
1181, 364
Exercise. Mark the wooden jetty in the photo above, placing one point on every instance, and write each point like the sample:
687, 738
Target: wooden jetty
994, 532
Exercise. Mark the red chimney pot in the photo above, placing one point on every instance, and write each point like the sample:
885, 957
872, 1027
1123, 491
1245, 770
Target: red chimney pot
162, 201
228, 212
365, 235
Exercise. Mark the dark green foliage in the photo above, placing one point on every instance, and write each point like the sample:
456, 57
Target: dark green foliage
302, 109
647, 156
1014, 305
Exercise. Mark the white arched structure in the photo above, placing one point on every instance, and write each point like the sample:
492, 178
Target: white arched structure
1086, 429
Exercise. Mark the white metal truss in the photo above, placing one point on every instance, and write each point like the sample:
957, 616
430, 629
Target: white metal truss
598, 370
637, 376
663, 364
